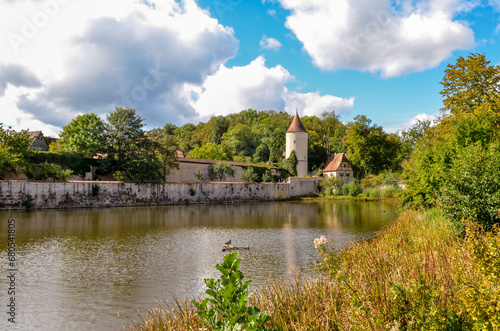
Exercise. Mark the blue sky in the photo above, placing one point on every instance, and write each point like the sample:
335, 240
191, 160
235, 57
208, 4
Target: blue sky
184, 61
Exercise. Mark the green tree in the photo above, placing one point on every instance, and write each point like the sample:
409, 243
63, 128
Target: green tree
84, 135
261, 153
291, 163
219, 126
469, 83
210, 151
164, 143
472, 186
241, 140
221, 170
125, 135
369, 147
14, 150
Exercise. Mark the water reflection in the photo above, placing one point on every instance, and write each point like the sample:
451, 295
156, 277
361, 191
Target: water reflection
79, 268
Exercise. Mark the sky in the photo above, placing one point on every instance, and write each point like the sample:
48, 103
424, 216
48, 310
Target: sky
184, 61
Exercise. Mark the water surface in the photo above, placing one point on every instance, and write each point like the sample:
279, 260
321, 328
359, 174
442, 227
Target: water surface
90, 269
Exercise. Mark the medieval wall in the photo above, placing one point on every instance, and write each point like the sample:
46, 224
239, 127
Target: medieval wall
45, 195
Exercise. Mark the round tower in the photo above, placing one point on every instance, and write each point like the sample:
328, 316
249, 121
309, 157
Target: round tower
296, 139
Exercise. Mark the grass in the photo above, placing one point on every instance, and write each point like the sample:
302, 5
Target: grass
415, 275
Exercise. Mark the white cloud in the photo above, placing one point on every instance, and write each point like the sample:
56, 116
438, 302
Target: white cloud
314, 104
255, 86
392, 38
91, 55
269, 43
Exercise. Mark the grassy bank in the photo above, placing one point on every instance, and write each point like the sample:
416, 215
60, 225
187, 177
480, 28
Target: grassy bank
416, 274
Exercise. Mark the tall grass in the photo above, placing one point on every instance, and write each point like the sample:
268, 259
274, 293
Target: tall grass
415, 275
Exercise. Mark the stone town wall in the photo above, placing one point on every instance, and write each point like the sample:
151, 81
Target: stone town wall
45, 195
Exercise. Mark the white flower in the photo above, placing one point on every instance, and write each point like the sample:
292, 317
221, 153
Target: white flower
320, 242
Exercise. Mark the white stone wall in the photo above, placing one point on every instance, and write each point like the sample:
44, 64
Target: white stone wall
44, 195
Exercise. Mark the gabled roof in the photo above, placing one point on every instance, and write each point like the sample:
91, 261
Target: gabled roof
296, 125
334, 162
34, 134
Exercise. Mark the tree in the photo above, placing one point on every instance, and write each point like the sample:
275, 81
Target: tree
221, 170
164, 144
241, 140
472, 186
84, 135
130, 150
220, 124
369, 147
469, 83
14, 150
125, 135
210, 151
291, 163
261, 153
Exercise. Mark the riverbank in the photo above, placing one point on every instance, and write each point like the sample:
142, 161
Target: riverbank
416, 274
35, 195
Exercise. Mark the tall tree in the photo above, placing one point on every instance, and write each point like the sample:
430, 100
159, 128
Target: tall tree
469, 83
84, 135
164, 143
125, 134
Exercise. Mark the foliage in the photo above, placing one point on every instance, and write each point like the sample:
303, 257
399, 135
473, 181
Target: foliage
125, 135
469, 83
290, 163
164, 144
250, 175
471, 117
210, 151
472, 186
331, 185
84, 135
145, 168
67, 160
219, 126
44, 171
221, 170
371, 192
227, 307
261, 154
120, 176
14, 149
268, 177
369, 148
480, 295
351, 189
199, 176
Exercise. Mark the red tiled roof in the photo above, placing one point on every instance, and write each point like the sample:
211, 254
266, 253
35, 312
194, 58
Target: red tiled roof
296, 125
334, 162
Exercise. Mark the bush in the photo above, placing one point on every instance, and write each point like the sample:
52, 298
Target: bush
472, 187
331, 186
44, 171
250, 175
371, 192
351, 189
389, 191
268, 177
227, 308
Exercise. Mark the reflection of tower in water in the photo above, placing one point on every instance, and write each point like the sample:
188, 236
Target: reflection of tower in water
288, 236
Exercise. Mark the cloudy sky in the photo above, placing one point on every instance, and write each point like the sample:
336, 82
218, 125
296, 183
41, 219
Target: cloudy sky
184, 61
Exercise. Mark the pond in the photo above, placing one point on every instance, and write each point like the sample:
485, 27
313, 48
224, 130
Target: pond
92, 269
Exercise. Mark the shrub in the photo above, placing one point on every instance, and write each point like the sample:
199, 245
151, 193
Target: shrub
44, 171
389, 191
227, 307
351, 189
250, 175
331, 186
472, 187
372, 192
268, 177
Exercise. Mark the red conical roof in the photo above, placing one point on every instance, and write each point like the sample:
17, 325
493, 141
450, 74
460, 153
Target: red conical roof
296, 125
